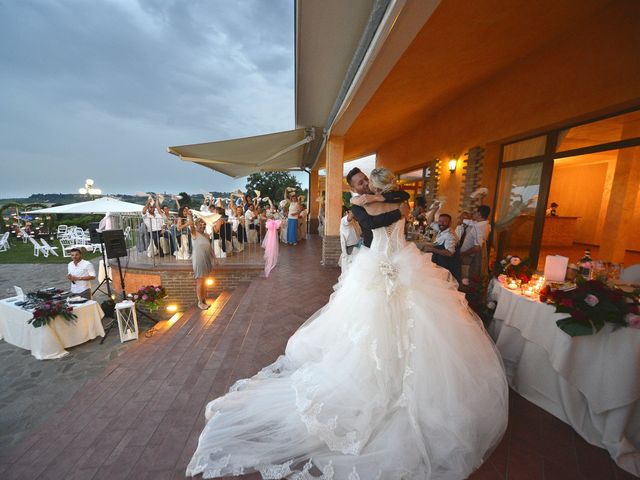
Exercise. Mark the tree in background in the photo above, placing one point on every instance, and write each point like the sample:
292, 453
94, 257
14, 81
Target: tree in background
271, 184
186, 200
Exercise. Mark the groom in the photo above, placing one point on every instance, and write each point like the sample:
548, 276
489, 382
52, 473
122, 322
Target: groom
359, 184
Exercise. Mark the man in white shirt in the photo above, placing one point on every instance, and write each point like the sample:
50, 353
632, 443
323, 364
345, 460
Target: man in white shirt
444, 246
350, 232
80, 273
474, 248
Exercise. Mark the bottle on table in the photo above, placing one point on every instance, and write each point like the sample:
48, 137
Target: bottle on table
585, 264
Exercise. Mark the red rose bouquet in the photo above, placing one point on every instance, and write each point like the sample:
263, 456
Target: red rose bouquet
47, 311
592, 304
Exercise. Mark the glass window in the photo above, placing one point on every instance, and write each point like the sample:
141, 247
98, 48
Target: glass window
533, 147
515, 214
614, 129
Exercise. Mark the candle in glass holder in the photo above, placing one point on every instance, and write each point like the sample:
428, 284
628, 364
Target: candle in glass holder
512, 285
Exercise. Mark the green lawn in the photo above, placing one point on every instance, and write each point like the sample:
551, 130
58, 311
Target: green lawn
23, 253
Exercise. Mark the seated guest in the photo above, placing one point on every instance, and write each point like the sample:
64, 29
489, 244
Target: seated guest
444, 249
80, 273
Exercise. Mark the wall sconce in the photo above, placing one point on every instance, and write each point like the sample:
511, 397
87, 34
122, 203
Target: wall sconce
453, 163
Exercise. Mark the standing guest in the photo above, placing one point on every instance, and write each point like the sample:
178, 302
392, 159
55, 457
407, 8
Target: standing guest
292, 224
302, 220
183, 235
169, 231
474, 249
250, 217
238, 224
283, 215
461, 227
153, 222
202, 259
80, 273
217, 230
247, 202
350, 231
261, 222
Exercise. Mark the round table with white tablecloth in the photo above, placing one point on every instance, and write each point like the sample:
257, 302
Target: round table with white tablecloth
590, 382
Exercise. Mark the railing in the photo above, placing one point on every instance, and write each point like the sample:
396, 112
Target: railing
145, 247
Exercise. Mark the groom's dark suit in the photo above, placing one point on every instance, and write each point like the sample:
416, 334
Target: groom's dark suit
369, 222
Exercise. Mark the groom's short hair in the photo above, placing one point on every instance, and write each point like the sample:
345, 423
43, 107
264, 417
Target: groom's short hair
352, 173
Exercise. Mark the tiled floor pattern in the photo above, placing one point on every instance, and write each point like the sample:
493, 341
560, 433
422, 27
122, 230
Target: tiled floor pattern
140, 419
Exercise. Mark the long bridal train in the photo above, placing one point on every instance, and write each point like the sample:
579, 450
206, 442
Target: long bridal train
395, 378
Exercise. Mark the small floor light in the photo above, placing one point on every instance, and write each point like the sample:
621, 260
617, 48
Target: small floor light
209, 282
172, 308
453, 163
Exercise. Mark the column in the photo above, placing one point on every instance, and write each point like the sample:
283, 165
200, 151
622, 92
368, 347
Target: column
622, 200
333, 203
314, 206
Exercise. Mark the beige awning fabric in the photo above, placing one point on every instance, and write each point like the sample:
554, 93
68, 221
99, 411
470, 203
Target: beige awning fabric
243, 156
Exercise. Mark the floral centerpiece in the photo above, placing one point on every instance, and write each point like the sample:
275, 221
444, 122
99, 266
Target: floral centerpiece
47, 311
513, 266
592, 304
150, 297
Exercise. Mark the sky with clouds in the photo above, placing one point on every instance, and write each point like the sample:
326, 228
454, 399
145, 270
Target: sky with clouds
99, 89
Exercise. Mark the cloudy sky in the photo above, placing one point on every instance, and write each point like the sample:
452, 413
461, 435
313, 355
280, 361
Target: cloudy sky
100, 88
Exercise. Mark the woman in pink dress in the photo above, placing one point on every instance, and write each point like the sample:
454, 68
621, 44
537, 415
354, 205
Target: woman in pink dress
270, 245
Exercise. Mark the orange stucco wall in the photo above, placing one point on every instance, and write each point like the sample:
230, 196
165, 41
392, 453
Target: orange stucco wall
593, 69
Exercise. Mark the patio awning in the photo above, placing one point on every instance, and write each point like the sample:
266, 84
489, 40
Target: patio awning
243, 156
97, 206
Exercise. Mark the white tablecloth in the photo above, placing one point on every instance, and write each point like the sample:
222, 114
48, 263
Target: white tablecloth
590, 382
49, 341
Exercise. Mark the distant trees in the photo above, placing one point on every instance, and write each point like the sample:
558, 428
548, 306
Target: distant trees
271, 184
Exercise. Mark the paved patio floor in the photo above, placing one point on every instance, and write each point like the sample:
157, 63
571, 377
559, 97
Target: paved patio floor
140, 418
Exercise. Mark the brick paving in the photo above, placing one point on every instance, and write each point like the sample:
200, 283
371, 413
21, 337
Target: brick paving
141, 417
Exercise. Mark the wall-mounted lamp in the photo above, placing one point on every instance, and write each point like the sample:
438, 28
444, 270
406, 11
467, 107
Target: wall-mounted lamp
453, 163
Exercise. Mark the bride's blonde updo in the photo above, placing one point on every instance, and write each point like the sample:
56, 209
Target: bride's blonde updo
383, 179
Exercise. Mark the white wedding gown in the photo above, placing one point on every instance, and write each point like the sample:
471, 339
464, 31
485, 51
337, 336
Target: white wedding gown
395, 378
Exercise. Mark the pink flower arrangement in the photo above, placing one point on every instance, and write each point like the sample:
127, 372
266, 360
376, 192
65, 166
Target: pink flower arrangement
633, 320
591, 300
150, 296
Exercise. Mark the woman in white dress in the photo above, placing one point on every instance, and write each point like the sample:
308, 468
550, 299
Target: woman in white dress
394, 379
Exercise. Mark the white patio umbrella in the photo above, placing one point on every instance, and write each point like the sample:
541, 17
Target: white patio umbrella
97, 206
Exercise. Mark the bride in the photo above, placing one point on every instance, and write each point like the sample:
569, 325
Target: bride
394, 379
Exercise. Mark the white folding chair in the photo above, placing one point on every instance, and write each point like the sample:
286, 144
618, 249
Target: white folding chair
62, 229
38, 249
67, 244
25, 235
631, 274
49, 248
4, 242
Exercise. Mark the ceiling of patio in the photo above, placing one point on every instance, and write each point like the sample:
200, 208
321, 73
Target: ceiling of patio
462, 45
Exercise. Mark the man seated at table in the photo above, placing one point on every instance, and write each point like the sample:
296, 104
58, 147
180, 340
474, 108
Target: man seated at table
80, 273
444, 248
